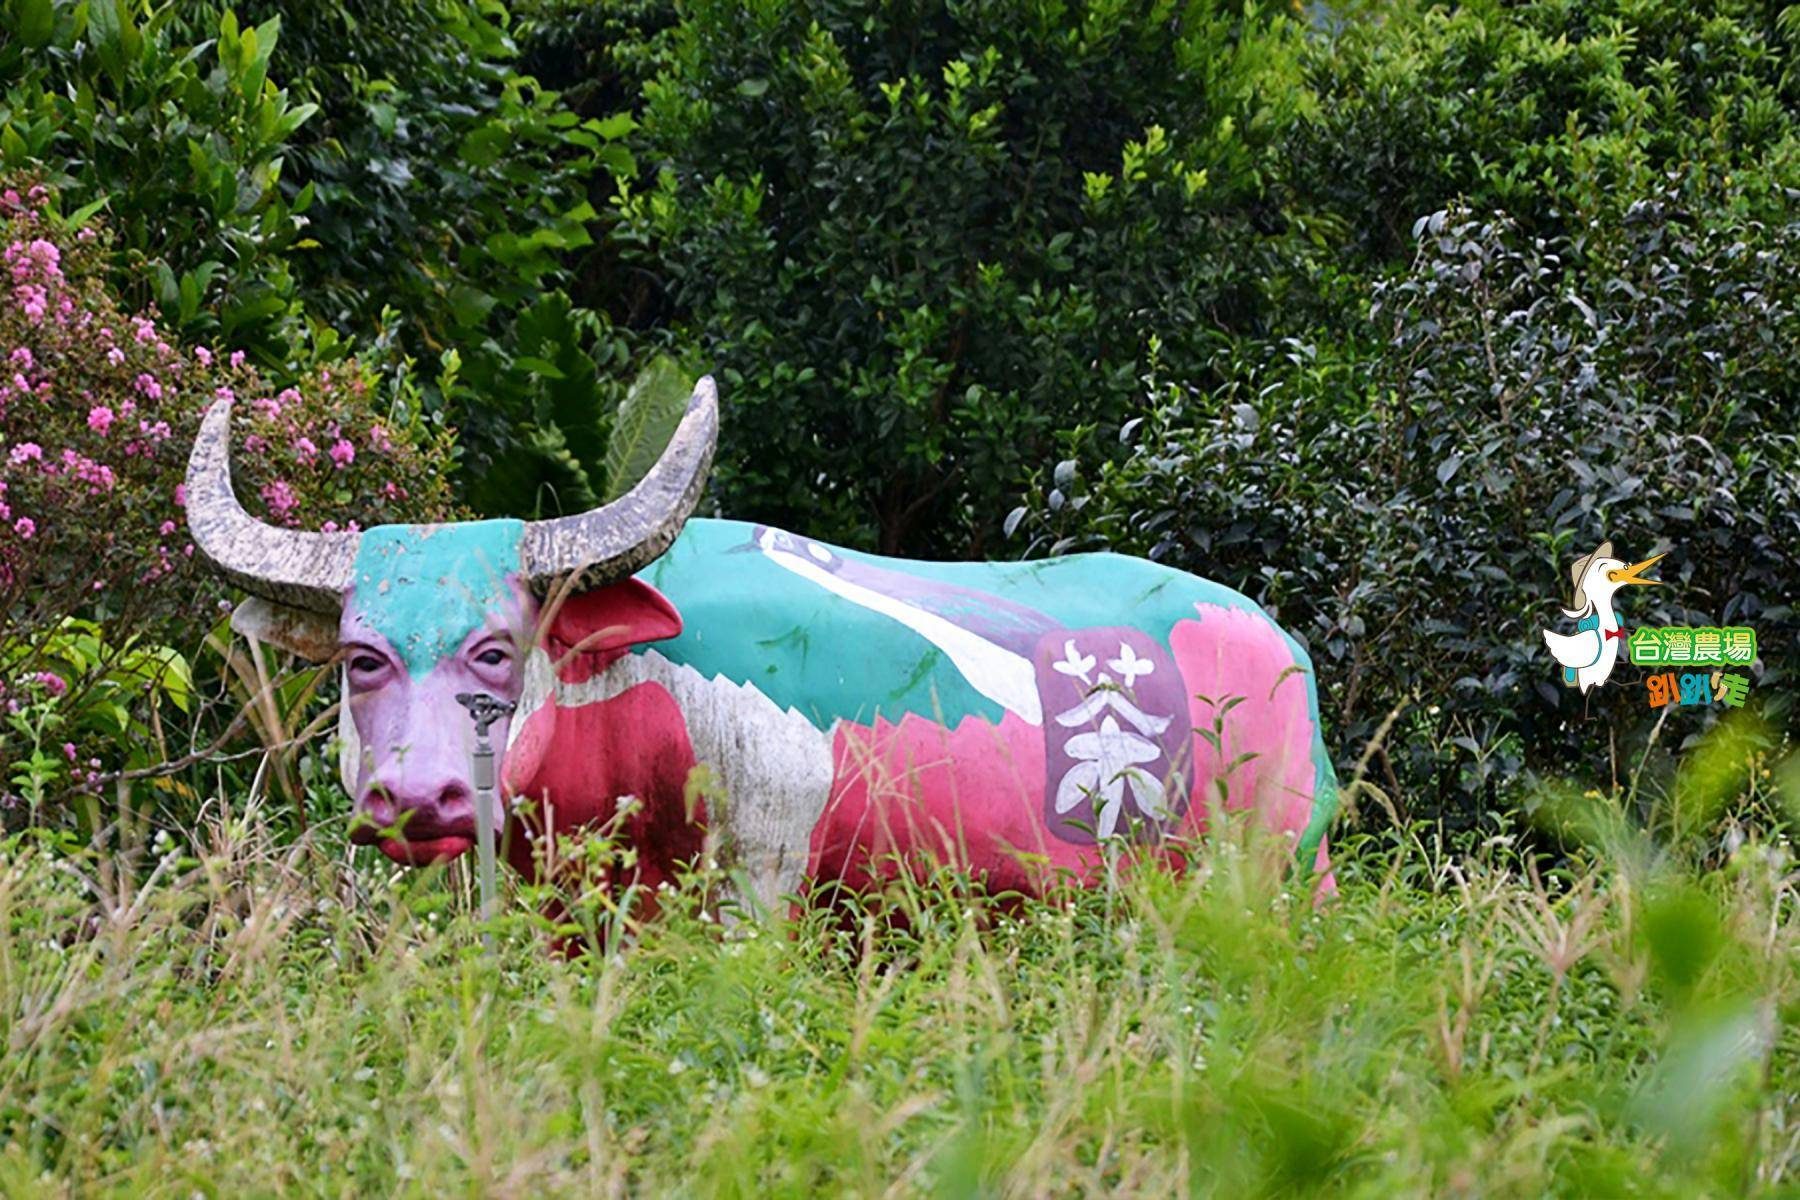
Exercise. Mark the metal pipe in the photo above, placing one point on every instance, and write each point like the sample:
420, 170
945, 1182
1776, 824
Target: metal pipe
484, 710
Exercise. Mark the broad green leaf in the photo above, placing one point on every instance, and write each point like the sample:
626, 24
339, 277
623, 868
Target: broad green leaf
79, 217
12, 146
293, 119
35, 20
485, 144
253, 312
131, 42
190, 296
539, 366
644, 424
612, 128
105, 33
266, 35
176, 676
200, 162
577, 406
103, 24
167, 290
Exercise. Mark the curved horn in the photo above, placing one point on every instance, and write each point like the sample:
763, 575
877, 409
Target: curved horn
611, 542
307, 570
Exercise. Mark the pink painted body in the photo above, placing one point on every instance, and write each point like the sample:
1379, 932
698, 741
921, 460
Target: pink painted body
972, 796
912, 792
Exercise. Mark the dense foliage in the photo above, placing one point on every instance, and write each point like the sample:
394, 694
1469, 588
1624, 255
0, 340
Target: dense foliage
449, 210
1413, 514
363, 171
1559, 112
919, 245
181, 139
98, 590
1157, 270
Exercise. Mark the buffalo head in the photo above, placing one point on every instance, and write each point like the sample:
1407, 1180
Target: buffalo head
420, 613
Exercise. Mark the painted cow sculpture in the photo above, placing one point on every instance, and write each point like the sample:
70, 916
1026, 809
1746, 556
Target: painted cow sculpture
858, 711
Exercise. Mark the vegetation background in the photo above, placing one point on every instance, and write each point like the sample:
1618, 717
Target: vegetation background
1379, 312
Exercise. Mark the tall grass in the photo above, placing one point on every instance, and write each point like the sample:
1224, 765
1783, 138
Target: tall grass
234, 1017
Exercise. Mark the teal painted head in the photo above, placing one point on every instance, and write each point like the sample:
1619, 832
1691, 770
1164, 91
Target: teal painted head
421, 615
425, 588
433, 612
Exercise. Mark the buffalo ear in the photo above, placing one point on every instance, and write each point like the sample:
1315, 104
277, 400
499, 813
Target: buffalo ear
313, 636
595, 627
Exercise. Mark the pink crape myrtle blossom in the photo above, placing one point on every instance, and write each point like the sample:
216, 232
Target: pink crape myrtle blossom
99, 403
280, 498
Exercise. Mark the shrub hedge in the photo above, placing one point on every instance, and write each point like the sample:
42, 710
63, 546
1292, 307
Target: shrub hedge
1413, 513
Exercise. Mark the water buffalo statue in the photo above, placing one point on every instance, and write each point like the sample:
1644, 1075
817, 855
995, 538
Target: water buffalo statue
856, 711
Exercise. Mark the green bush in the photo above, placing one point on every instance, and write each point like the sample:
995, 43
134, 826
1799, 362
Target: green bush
445, 183
450, 208
99, 405
1554, 111
918, 240
1413, 514
181, 137
406, 189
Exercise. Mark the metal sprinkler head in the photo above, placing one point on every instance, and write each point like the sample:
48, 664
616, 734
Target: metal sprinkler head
484, 710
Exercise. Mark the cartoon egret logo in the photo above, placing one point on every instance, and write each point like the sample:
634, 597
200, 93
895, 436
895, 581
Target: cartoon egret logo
1587, 655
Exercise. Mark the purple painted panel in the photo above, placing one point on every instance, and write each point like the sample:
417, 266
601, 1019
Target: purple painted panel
1117, 736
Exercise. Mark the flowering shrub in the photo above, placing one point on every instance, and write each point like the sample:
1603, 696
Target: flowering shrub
98, 408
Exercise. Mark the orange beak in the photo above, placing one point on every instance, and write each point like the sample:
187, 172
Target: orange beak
1632, 573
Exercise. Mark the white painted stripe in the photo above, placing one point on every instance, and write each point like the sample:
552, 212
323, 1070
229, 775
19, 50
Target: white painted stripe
997, 673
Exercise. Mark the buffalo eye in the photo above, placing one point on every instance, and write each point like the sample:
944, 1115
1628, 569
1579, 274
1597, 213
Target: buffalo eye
367, 670
491, 658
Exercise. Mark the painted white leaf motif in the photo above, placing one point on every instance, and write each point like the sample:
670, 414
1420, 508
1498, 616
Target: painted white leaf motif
1074, 663
1130, 665
1109, 759
1106, 695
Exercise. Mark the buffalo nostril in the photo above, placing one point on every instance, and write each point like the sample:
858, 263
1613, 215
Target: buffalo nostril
375, 813
415, 808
